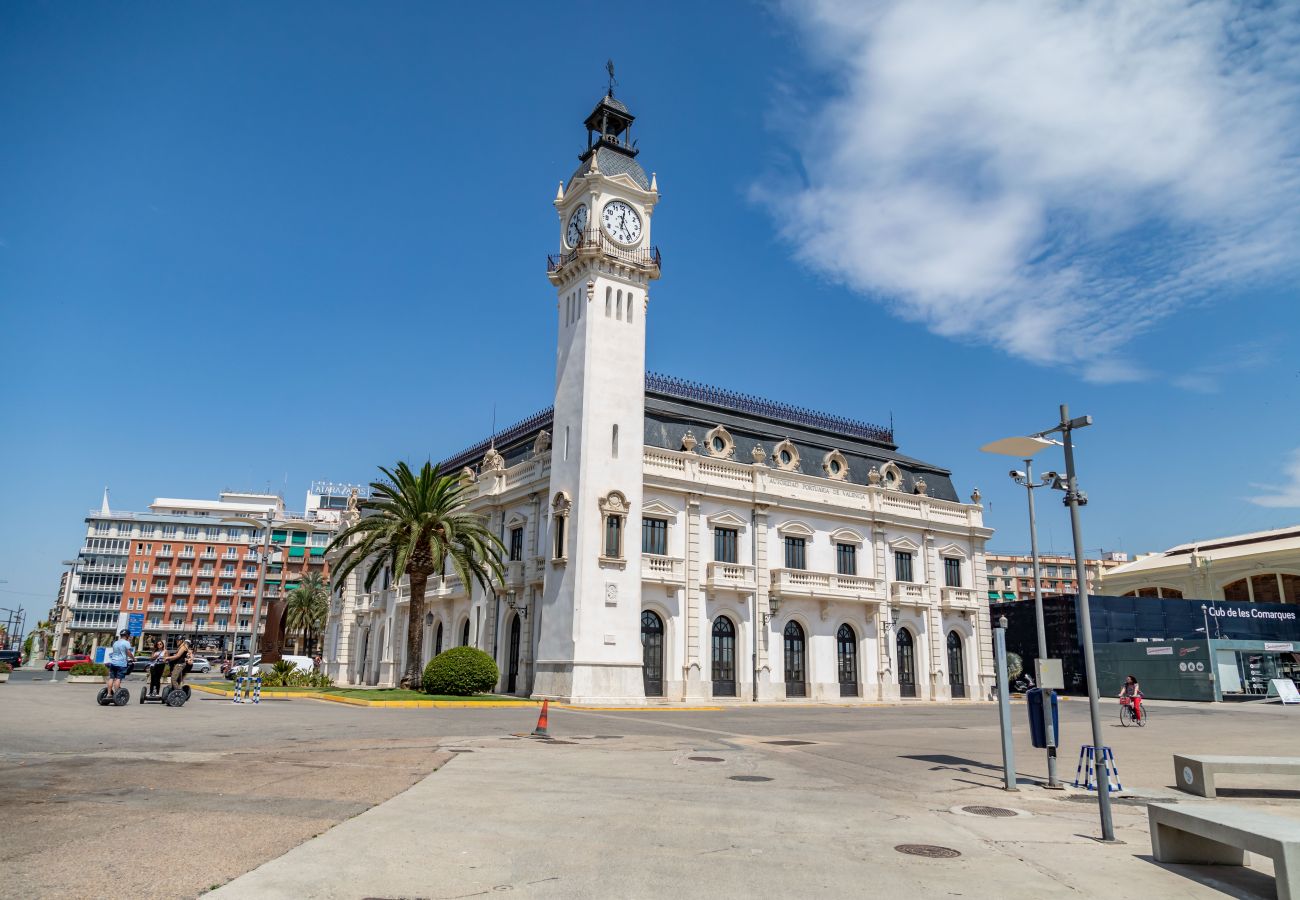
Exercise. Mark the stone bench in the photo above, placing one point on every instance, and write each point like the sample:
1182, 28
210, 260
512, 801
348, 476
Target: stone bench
1220, 834
1195, 774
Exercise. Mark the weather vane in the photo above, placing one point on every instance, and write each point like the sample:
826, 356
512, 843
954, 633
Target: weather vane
609, 67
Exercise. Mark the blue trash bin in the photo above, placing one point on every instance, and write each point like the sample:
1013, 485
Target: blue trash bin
1034, 703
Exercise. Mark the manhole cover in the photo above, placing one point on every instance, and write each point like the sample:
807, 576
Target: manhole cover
790, 743
754, 778
706, 758
929, 851
993, 812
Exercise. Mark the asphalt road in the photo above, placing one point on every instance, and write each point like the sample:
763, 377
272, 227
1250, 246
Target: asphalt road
166, 802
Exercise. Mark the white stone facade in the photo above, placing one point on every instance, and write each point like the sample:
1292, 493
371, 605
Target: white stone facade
766, 559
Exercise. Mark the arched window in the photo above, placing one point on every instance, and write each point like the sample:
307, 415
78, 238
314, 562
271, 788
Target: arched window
629, 306
618, 308
464, 634
724, 657
609, 299
906, 664
437, 639
956, 665
652, 653
512, 667
796, 672
846, 657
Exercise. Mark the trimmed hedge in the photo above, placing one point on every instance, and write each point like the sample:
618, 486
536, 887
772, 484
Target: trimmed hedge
5, 668
88, 669
460, 671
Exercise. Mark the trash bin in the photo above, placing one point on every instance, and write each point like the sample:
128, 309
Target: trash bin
1034, 703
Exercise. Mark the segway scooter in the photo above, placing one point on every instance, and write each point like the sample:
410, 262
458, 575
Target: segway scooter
167, 695
121, 697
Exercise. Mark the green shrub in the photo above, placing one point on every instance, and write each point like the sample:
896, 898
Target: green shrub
460, 671
88, 669
5, 668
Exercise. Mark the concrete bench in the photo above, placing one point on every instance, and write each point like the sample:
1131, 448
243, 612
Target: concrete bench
1220, 834
1195, 774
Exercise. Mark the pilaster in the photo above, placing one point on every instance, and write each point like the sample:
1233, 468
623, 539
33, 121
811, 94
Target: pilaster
695, 669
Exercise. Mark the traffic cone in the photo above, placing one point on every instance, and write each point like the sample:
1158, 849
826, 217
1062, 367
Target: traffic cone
540, 730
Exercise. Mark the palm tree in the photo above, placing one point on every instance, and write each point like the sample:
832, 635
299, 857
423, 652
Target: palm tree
415, 523
307, 606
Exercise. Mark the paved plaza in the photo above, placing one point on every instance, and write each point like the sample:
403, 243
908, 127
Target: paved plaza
309, 799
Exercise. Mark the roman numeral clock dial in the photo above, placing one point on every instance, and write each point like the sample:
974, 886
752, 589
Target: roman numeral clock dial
621, 222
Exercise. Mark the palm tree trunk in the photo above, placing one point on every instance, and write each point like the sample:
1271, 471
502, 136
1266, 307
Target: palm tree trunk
413, 677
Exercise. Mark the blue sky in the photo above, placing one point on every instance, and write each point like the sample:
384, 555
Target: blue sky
253, 245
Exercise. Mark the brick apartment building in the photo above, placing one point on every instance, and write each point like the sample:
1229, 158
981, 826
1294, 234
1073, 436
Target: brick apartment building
1011, 576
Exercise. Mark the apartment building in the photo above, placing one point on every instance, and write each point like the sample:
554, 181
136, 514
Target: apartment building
1011, 576
190, 567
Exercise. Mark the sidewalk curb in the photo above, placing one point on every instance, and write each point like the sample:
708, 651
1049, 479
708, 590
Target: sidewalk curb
389, 704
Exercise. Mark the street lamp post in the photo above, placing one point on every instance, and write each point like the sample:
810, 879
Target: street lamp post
261, 583
1074, 498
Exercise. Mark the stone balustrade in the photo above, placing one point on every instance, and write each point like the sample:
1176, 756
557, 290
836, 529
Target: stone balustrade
826, 585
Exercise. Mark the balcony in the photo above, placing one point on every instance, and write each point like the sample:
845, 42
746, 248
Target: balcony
448, 586
204, 590
224, 608
663, 569
207, 572
594, 244
160, 570
909, 594
179, 607
102, 570
514, 575
106, 551
155, 607
955, 598
186, 554
201, 607
158, 589
207, 554
826, 585
182, 588
723, 576
165, 553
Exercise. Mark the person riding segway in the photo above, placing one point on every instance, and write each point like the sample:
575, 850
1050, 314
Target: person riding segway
120, 659
174, 694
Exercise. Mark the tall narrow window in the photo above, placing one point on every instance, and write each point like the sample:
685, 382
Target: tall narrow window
902, 565
724, 545
794, 552
560, 522
846, 559
629, 306
609, 299
613, 443
516, 544
618, 309
952, 572
614, 537
566, 441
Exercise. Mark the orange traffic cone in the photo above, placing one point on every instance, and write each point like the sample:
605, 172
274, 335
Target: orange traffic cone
540, 730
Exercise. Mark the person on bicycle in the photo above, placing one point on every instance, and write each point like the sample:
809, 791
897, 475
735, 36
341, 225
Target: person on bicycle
1132, 692
120, 659
182, 662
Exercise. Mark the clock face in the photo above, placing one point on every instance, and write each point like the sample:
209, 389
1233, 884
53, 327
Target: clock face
577, 226
621, 222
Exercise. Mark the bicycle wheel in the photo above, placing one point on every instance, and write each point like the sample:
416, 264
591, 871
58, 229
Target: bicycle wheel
1125, 716
1142, 719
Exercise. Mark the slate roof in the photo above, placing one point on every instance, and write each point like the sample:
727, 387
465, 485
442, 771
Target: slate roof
674, 407
611, 162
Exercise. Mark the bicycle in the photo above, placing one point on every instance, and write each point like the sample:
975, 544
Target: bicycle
1129, 716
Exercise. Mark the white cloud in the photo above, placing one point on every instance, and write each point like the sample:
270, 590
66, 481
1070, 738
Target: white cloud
1050, 178
1282, 496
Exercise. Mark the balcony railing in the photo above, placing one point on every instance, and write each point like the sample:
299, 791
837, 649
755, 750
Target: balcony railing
730, 577
909, 593
663, 569
158, 589
595, 243
957, 598
165, 553
514, 575
825, 585
102, 570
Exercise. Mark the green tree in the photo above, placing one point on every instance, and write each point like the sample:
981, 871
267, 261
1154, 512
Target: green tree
307, 607
416, 523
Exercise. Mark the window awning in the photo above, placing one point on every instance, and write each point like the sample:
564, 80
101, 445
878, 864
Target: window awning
295, 552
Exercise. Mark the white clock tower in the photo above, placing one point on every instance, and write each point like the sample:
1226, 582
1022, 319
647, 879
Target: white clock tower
589, 646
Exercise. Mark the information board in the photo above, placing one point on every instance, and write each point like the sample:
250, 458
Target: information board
1285, 689
135, 623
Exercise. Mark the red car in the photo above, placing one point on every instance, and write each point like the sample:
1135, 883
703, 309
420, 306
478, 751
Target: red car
68, 662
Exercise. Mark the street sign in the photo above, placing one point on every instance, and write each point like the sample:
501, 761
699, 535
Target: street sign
1051, 675
135, 623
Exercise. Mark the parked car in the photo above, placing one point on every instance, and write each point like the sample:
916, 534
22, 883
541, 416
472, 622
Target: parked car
241, 665
68, 662
13, 657
201, 665
141, 663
